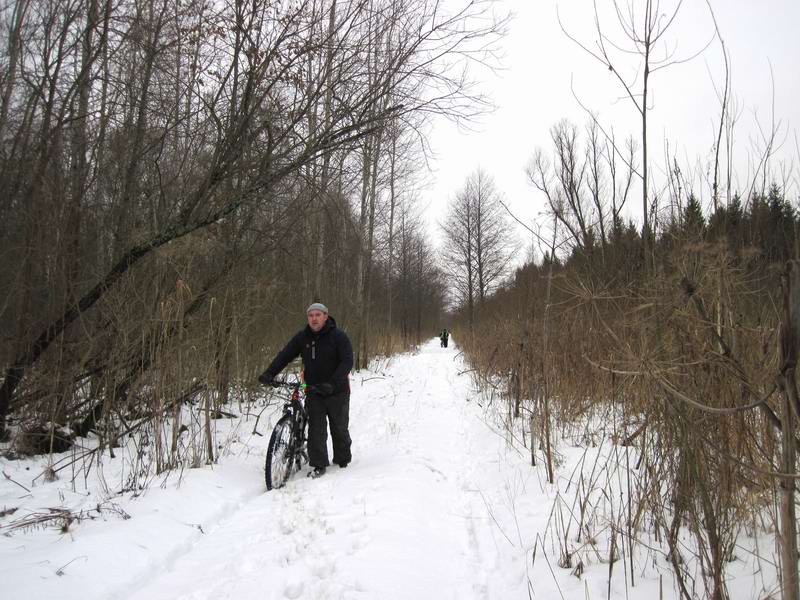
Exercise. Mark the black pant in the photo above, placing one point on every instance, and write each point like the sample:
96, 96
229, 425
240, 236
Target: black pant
321, 410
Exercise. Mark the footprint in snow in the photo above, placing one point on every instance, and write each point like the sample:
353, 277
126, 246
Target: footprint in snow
286, 525
360, 542
301, 546
358, 526
322, 567
293, 589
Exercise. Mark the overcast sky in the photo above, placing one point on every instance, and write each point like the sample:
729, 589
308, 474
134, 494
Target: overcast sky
543, 69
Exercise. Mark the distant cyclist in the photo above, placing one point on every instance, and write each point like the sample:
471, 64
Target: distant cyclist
327, 359
443, 337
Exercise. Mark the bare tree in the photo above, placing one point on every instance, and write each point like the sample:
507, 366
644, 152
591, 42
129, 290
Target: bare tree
195, 121
419, 278
582, 185
478, 242
644, 32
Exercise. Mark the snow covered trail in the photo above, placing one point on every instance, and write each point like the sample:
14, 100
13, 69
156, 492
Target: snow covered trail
416, 515
437, 504
398, 523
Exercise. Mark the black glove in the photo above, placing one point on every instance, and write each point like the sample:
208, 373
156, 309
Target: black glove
265, 378
324, 389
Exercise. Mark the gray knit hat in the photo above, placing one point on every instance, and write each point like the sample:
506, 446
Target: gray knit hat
317, 306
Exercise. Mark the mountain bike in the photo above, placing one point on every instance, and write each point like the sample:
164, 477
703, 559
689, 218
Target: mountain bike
286, 451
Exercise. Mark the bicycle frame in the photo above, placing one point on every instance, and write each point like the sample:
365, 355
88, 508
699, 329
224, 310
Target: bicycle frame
299, 424
295, 452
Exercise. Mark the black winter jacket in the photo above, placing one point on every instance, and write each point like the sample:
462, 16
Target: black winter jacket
327, 356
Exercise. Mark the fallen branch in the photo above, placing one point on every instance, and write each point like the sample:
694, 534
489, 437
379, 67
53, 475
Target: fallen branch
15, 482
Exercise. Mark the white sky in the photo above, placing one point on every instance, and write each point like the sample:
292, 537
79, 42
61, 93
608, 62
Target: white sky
534, 92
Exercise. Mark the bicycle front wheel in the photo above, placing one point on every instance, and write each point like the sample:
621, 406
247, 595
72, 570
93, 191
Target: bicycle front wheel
279, 454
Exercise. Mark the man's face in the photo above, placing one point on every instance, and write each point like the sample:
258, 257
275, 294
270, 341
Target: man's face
316, 319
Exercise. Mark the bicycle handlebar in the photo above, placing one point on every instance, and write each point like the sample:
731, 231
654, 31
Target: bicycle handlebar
284, 383
295, 385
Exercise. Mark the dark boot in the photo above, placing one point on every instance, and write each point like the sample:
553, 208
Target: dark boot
317, 472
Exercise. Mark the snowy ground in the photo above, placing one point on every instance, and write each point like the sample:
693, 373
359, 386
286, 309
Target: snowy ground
436, 504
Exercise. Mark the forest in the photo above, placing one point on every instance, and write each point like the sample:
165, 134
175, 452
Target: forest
674, 336
183, 177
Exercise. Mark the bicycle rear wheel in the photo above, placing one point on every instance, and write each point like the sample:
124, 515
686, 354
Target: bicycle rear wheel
279, 454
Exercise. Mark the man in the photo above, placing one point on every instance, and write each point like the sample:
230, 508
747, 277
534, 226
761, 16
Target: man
327, 360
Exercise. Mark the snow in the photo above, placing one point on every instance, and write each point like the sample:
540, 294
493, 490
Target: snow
439, 502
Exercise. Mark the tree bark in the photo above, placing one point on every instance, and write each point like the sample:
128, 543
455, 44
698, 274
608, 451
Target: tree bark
786, 379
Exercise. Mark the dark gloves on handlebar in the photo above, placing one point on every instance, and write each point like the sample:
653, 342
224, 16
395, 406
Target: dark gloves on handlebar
265, 379
324, 389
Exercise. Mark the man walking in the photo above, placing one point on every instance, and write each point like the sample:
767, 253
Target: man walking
327, 359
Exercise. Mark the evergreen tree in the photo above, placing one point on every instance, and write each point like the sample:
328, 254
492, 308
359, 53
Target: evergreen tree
693, 223
779, 240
